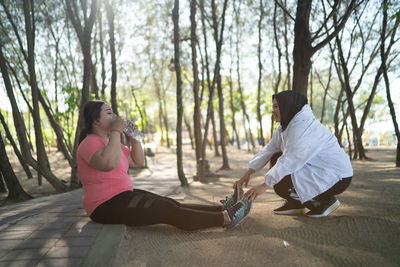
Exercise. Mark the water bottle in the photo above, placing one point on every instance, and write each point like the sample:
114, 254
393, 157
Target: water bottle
133, 131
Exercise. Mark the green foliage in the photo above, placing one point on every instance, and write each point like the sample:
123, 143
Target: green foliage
393, 8
72, 97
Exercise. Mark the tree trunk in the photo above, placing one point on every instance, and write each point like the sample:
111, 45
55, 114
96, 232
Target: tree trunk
214, 133
197, 103
231, 97
348, 138
3, 188
84, 36
261, 140
357, 135
16, 150
144, 124
57, 130
236, 134
94, 88
110, 18
222, 130
189, 129
302, 51
15, 191
20, 125
102, 59
160, 122
384, 55
175, 18
285, 35
242, 104
277, 82
326, 88
218, 41
42, 159
165, 120
201, 175
339, 100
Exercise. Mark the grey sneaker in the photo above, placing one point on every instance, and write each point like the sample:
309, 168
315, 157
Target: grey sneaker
234, 198
238, 212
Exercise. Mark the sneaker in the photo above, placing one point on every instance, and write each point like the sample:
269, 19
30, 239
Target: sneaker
291, 208
324, 209
234, 198
238, 212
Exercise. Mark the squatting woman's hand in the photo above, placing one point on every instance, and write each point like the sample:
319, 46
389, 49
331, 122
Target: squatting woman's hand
253, 193
244, 180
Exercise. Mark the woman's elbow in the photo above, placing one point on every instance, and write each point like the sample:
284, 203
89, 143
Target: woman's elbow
139, 163
108, 165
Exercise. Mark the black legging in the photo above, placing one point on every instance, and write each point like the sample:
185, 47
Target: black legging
285, 187
139, 207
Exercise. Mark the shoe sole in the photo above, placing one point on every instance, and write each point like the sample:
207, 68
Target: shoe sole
328, 211
238, 192
244, 218
291, 212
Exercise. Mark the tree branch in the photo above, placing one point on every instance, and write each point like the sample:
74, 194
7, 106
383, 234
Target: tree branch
285, 10
338, 28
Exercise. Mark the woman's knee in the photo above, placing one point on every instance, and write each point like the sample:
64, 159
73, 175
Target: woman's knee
282, 188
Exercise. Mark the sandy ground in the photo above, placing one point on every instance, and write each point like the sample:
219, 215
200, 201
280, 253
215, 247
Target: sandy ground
364, 231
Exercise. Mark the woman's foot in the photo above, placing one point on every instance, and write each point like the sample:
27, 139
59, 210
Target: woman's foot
234, 198
291, 208
324, 209
238, 212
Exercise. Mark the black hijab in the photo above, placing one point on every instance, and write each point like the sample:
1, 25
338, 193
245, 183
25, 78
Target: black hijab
289, 102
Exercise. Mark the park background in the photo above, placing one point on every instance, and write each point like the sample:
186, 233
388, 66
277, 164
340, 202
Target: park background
183, 70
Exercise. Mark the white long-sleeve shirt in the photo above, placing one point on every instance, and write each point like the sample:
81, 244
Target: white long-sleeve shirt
311, 155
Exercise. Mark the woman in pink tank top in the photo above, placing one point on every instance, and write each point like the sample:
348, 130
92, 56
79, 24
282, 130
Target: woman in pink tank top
108, 195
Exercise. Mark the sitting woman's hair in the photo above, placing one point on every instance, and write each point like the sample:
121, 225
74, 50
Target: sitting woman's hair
91, 112
289, 102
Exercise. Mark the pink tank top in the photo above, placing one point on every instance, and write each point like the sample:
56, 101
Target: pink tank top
100, 186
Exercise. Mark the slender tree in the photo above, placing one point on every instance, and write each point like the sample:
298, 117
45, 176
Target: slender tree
303, 40
261, 140
110, 18
326, 88
29, 14
246, 117
384, 54
84, 32
196, 96
175, 18
201, 176
231, 95
278, 48
218, 43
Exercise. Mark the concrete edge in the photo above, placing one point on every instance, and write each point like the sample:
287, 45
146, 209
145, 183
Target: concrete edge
106, 246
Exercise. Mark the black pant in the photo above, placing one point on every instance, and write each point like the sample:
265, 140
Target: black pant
285, 189
139, 207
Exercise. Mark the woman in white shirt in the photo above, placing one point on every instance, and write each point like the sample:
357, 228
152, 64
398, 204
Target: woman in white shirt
310, 168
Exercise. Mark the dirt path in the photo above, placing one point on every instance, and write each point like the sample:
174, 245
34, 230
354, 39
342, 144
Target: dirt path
364, 231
